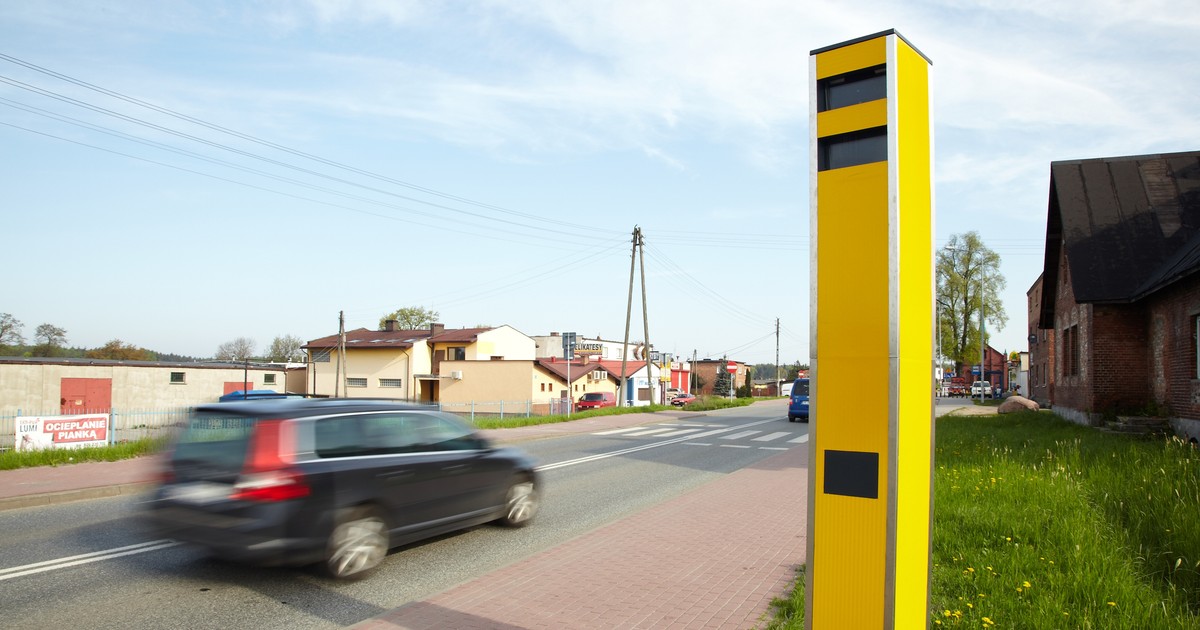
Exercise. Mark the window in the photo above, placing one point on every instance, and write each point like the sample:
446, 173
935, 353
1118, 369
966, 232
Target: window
1195, 346
178, 378
268, 379
457, 354
852, 88
339, 437
852, 149
321, 355
356, 382
391, 382
440, 434
1071, 350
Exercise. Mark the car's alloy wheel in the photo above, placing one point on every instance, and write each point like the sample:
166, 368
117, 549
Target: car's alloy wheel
357, 545
520, 504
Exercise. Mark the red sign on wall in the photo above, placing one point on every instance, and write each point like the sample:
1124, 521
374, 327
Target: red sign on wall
41, 432
732, 367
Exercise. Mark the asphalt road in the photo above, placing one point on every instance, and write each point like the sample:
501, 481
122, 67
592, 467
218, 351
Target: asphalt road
92, 564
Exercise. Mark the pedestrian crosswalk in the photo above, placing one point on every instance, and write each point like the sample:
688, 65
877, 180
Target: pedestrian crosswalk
714, 435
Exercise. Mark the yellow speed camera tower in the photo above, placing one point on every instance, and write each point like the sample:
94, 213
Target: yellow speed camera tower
870, 477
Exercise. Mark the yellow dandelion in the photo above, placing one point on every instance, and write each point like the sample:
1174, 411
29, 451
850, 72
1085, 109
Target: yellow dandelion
1113, 604
1026, 584
988, 622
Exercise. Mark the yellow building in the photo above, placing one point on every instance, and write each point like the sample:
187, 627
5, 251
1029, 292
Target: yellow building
403, 363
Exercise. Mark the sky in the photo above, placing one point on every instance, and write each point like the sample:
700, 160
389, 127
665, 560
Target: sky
178, 174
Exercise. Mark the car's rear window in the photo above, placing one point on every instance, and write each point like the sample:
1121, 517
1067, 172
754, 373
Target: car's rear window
800, 388
216, 439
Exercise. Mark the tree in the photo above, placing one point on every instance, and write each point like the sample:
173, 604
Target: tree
721, 382
240, 349
50, 340
410, 318
285, 348
10, 331
118, 350
968, 279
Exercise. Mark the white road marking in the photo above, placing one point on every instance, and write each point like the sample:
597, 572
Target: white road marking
800, 440
625, 451
734, 446
679, 432
738, 436
96, 556
650, 431
771, 436
616, 431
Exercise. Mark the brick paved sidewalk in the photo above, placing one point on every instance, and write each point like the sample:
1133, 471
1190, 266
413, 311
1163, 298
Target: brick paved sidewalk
712, 558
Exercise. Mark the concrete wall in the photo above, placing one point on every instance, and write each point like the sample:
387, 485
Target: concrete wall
503, 341
486, 381
35, 387
372, 365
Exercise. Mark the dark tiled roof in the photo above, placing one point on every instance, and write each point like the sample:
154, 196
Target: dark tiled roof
578, 368
361, 338
614, 367
460, 334
1130, 226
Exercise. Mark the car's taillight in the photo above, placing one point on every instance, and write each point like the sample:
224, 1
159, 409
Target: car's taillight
276, 485
268, 474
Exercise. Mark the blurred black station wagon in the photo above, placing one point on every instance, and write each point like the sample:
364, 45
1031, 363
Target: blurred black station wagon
333, 481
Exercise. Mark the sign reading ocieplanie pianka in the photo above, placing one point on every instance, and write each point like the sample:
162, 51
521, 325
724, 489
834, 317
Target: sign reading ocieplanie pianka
43, 432
870, 473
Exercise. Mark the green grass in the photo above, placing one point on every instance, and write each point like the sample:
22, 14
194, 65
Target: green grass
1040, 523
10, 460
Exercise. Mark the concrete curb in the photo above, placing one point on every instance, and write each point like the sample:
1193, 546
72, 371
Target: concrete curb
68, 496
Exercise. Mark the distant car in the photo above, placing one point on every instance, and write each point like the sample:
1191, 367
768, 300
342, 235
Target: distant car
334, 481
596, 400
682, 399
981, 388
798, 401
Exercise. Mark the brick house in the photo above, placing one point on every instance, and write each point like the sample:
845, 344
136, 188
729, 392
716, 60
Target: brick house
706, 374
1119, 287
1041, 350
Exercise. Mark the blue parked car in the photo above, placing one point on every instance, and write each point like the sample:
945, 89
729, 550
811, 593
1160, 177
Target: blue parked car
798, 405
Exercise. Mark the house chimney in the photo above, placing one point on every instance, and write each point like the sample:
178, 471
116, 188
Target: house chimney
436, 329
390, 325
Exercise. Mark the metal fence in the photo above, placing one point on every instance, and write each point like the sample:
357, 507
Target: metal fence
469, 411
124, 425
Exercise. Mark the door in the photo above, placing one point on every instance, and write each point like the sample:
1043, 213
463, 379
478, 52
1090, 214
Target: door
85, 395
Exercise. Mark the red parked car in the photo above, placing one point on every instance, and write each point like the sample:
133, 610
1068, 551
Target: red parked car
682, 399
596, 400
